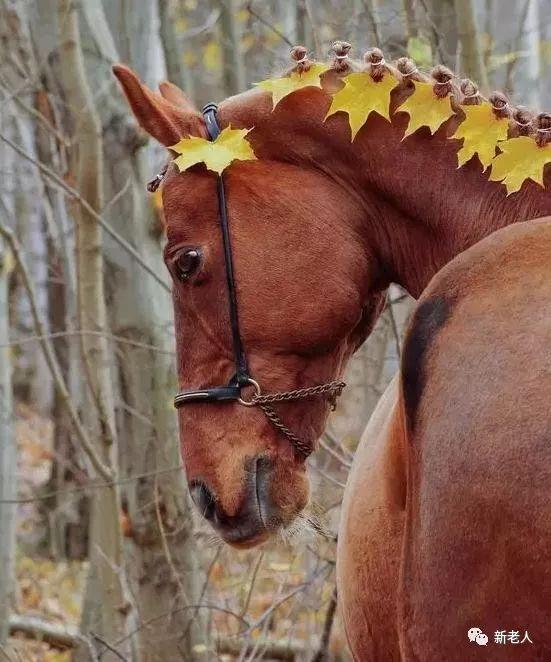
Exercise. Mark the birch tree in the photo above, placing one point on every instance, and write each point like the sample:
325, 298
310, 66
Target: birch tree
528, 78
442, 27
107, 607
471, 56
17, 208
8, 454
162, 556
233, 72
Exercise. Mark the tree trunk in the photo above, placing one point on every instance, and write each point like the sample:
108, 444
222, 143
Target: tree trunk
106, 605
67, 520
173, 49
162, 558
374, 34
303, 31
471, 59
232, 57
528, 78
411, 21
8, 455
13, 186
442, 29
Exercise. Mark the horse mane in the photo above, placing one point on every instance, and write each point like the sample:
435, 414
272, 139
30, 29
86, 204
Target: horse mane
463, 91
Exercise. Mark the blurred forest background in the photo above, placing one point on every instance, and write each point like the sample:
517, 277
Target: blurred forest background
101, 555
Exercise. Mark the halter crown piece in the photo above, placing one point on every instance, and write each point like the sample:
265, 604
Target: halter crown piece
242, 377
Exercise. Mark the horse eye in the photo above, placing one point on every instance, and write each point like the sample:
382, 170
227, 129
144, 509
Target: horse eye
187, 263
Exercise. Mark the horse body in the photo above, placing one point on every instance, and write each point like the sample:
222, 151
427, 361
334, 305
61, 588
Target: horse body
446, 520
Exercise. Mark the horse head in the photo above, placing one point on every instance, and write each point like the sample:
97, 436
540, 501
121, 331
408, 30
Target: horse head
307, 298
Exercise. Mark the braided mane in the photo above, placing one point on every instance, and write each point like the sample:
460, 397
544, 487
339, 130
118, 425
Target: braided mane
463, 91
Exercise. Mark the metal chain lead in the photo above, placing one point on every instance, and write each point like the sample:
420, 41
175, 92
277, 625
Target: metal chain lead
303, 448
332, 390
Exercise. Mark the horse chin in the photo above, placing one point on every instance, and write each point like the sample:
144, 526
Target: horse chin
250, 543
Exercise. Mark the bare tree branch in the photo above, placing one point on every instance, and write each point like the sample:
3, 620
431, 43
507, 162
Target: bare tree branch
51, 360
66, 636
323, 651
88, 208
267, 24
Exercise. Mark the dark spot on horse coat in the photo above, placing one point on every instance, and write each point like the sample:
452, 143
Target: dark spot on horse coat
428, 319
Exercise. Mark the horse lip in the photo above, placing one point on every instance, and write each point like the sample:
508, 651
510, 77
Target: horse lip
244, 536
255, 524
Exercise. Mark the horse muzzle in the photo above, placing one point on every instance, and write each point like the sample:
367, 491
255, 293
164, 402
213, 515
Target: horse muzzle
257, 517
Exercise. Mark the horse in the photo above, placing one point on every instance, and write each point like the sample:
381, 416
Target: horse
320, 226
446, 518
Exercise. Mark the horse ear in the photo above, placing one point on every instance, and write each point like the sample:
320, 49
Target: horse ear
177, 97
161, 116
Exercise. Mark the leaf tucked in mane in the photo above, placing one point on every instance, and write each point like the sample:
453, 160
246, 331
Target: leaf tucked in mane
281, 87
521, 159
361, 96
481, 131
231, 145
425, 108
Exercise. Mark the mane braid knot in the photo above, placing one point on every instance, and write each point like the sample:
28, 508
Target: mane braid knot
299, 54
407, 67
376, 62
470, 92
523, 119
340, 54
543, 129
442, 77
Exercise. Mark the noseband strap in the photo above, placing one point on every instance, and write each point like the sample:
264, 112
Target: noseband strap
242, 376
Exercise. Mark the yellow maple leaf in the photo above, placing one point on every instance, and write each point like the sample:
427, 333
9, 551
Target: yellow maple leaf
281, 87
481, 131
360, 97
231, 145
425, 108
520, 159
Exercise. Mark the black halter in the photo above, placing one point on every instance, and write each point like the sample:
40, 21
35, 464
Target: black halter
242, 376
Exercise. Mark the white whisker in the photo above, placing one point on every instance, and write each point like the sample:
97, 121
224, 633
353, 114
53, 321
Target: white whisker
306, 526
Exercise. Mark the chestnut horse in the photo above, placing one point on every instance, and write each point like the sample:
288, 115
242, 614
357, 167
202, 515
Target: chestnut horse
320, 227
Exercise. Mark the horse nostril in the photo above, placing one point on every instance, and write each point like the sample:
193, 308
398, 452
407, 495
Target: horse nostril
204, 500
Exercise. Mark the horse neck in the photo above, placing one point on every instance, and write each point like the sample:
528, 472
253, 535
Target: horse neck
420, 209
